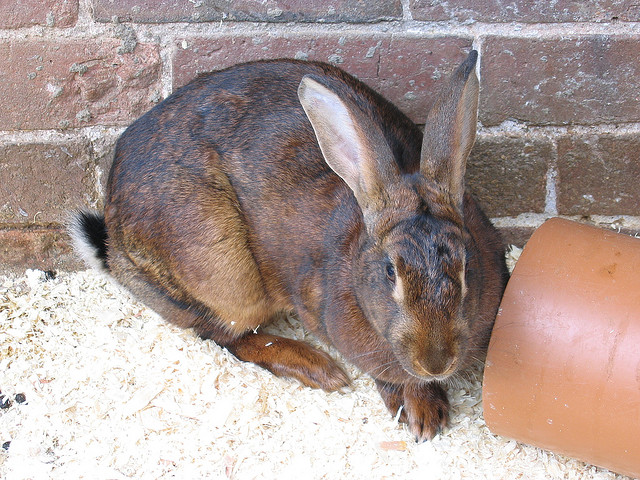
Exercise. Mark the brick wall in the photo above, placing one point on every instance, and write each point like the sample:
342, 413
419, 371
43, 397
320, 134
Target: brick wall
559, 108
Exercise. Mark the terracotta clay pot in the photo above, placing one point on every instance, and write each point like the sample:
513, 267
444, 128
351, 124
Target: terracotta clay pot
563, 366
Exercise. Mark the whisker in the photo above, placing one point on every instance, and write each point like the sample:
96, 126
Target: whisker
377, 376
373, 352
388, 365
371, 370
478, 360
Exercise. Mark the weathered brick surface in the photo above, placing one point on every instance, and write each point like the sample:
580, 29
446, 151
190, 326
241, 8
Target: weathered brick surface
75, 83
508, 175
358, 54
583, 80
599, 175
518, 236
413, 69
408, 71
103, 151
152, 11
41, 248
531, 11
41, 182
27, 13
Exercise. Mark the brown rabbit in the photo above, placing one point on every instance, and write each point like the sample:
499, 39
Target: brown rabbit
291, 186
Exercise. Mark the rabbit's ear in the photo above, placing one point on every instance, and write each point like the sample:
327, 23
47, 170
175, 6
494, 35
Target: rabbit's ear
450, 130
351, 144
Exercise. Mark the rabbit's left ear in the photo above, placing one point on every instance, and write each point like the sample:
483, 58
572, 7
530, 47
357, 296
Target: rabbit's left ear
352, 145
450, 130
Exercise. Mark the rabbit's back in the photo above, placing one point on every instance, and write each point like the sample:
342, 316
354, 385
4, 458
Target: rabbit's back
249, 120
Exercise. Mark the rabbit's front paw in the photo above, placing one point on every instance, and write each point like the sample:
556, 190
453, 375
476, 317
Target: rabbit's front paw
425, 406
286, 357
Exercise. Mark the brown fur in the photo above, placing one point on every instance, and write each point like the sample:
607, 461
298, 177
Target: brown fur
225, 206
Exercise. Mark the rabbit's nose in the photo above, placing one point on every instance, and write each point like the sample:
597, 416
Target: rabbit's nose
436, 362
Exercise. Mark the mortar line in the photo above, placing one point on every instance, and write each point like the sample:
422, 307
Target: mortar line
551, 200
511, 130
408, 28
167, 51
477, 45
521, 129
85, 19
534, 220
58, 136
86, 27
406, 10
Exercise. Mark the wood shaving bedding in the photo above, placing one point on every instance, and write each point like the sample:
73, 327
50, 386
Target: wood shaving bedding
111, 391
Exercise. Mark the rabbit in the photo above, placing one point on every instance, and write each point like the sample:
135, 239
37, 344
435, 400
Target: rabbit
288, 185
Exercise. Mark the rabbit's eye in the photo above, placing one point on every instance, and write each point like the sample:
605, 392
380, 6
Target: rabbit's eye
391, 272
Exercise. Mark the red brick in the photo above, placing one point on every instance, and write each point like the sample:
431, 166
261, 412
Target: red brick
41, 248
27, 13
508, 175
413, 69
517, 236
42, 182
532, 11
74, 83
599, 175
361, 53
405, 70
583, 80
104, 154
151, 11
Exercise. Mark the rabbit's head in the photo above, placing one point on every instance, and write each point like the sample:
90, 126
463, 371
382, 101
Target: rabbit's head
409, 270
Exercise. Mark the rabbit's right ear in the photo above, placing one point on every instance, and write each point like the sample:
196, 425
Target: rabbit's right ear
450, 130
352, 145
